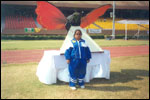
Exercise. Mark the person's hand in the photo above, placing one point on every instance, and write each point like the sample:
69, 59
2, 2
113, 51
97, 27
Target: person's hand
88, 61
68, 61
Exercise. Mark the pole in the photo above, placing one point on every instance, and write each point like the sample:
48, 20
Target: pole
113, 31
138, 32
126, 31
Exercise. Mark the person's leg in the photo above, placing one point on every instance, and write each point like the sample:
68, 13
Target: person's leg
82, 72
73, 73
72, 82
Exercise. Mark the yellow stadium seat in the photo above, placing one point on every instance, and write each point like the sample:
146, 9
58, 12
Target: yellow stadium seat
108, 25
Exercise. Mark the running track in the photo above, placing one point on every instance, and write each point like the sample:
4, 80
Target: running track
25, 56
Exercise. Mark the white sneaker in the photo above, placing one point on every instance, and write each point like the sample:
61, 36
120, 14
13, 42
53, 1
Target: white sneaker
73, 88
82, 87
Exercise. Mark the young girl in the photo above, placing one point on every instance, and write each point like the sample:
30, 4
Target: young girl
77, 55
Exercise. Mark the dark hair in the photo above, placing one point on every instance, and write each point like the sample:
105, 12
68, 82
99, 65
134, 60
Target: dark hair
76, 31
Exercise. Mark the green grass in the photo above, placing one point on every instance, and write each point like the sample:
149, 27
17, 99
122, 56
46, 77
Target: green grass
56, 44
31, 44
119, 42
128, 79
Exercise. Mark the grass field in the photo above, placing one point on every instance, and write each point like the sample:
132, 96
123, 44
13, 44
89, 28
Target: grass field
128, 79
129, 76
56, 44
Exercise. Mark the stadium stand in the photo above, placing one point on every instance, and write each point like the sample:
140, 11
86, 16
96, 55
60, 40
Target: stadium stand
107, 24
19, 22
20, 15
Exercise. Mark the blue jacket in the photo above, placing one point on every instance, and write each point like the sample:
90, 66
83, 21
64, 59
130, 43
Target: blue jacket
78, 50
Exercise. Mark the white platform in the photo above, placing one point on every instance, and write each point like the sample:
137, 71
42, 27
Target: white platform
53, 66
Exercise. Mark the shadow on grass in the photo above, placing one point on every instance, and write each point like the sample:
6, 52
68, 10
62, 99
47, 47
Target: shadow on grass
110, 88
126, 75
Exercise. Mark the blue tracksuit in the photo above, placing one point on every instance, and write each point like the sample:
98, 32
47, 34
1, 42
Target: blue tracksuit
78, 53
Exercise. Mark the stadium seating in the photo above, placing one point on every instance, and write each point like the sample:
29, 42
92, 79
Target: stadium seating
107, 24
19, 22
